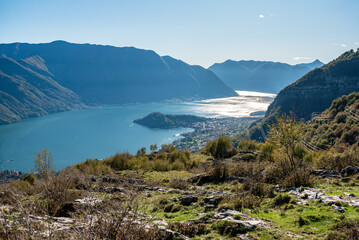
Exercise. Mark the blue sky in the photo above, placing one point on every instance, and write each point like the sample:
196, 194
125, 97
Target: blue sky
199, 32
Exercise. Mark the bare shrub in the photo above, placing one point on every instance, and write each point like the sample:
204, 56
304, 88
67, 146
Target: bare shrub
338, 161
299, 177
44, 163
118, 220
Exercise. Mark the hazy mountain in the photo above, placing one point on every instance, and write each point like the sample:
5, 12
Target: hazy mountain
261, 76
25, 93
316, 90
114, 75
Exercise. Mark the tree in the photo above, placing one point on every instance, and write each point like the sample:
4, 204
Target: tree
221, 148
141, 152
286, 133
44, 164
153, 147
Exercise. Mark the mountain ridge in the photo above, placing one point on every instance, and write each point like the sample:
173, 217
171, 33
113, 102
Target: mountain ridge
262, 76
314, 92
108, 75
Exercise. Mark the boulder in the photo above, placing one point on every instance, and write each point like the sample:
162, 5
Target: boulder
212, 199
349, 171
109, 180
339, 209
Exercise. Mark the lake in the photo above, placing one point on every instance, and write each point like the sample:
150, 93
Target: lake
100, 132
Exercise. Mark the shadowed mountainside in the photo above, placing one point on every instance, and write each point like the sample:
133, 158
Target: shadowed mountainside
117, 75
25, 93
51, 77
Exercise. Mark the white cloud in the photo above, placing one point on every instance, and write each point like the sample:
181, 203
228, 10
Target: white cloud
261, 16
340, 44
357, 43
301, 58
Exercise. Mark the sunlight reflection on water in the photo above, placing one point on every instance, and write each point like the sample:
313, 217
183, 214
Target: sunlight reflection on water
240, 106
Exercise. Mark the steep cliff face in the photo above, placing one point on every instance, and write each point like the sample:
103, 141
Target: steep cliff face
315, 91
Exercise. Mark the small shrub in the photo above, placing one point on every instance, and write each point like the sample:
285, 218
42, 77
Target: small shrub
119, 161
219, 172
189, 230
93, 167
282, 199
301, 221
299, 177
172, 208
221, 148
30, 178
247, 146
179, 184
345, 230
246, 201
338, 161
254, 187
225, 227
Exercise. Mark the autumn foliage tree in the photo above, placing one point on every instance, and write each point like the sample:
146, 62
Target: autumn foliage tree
44, 163
285, 134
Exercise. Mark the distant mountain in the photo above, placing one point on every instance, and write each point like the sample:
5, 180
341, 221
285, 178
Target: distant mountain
315, 91
25, 93
261, 76
116, 75
41, 78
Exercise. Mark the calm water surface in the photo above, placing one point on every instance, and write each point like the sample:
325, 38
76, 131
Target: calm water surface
100, 132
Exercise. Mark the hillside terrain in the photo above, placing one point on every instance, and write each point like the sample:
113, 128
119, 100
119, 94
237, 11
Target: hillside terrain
314, 92
251, 191
159, 120
261, 76
26, 93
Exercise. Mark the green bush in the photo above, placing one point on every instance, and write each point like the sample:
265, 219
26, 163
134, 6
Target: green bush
30, 178
225, 227
248, 146
345, 230
282, 199
93, 167
247, 200
221, 148
119, 161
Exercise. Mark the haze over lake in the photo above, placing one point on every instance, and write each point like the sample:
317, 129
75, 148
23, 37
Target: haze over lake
100, 132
